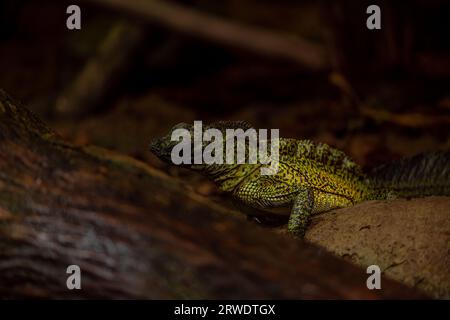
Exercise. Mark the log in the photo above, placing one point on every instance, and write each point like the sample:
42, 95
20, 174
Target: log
136, 233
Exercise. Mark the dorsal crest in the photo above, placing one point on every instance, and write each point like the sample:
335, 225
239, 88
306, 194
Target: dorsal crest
330, 159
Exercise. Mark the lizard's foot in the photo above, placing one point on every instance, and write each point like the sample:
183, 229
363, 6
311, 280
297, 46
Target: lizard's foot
301, 213
297, 226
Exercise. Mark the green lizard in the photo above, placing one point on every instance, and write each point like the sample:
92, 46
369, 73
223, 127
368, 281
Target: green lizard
314, 178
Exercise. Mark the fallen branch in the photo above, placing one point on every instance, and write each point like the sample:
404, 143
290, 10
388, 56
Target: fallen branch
411, 120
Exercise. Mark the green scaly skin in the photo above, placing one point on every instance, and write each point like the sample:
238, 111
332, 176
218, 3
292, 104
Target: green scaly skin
312, 178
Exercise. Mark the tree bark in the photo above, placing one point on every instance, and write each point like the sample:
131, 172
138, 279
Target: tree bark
136, 233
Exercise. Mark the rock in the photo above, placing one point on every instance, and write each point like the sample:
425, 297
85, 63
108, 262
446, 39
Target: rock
408, 239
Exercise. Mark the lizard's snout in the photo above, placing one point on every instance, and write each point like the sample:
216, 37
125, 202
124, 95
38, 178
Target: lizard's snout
155, 146
161, 149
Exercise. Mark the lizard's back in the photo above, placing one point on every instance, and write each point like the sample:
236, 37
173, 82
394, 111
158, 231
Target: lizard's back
333, 177
320, 167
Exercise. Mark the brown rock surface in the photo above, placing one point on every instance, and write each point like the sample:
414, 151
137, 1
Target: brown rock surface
408, 239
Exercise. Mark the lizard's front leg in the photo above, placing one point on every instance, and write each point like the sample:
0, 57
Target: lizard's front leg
301, 212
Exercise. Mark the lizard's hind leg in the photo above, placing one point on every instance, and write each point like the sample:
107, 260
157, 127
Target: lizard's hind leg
301, 212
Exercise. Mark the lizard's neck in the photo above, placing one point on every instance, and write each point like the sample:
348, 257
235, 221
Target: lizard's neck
227, 176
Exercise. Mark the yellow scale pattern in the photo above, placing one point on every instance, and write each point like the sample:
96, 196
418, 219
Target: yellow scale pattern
336, 181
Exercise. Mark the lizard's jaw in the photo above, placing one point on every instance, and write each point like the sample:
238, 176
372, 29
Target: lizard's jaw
158, 148
154, 145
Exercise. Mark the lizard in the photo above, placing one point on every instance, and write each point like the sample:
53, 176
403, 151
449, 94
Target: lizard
313, 178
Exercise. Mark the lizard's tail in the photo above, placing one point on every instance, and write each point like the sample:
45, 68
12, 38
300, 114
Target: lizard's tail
422, 175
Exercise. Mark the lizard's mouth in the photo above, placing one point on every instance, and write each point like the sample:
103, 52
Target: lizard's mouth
158, 148
155, 145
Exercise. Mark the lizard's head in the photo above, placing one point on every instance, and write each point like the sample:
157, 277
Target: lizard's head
162, 147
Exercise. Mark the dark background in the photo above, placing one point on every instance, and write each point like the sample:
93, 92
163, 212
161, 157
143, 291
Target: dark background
380, 95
